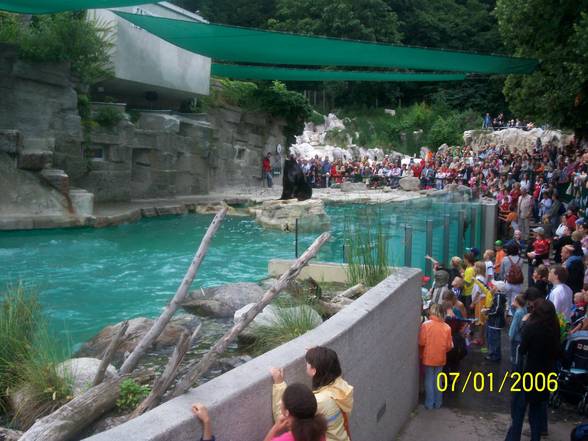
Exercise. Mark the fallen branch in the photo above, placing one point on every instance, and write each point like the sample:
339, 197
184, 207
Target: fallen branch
197, 368
352, 292
169, 374
131, 362
71, 418
332, 308
109, 353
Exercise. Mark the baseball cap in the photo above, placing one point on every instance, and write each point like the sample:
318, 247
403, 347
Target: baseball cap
498, 243
474, 251
580, 221
539, 230
426, 279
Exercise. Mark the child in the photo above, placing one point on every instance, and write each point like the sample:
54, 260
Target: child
457, 307
579, 308
479, 294
496, 321
519, 305
434, 341
469, 275
457, 288
333, 394
488, 260
500, 255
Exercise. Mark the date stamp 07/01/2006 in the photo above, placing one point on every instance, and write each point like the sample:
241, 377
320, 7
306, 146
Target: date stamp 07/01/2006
489, 382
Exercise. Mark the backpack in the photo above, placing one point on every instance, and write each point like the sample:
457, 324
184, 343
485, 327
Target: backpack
514, 276
579, 433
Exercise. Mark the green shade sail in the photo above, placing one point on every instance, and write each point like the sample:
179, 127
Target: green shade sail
277, 73
51, 6
234, 44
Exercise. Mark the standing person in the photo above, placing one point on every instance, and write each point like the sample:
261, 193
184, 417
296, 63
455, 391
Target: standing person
575, 266
469, 274
541, 280
500, 255
489, 262
333, 394
299, 419
519, 304
495, 322
561, 295
524, 211
267, 169
434, 341
540, 348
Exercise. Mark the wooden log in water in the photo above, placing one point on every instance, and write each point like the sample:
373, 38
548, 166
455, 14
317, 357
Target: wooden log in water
197, 368
148, 339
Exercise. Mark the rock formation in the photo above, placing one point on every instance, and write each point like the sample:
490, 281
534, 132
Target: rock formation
282, 215
517, 139
222, 301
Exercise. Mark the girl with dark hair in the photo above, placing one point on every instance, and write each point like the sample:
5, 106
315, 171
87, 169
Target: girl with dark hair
299, 420
537, 354
333, 394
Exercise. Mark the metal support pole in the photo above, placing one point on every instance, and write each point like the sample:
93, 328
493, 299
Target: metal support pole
429, 247
473, 213
407, 245
446, 226
484, 244
296, 240
460, 232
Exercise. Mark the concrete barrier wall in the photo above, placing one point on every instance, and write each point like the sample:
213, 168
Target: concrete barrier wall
376, 339
319, 271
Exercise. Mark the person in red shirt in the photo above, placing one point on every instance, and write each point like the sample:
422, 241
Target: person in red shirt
571, 218
267, 170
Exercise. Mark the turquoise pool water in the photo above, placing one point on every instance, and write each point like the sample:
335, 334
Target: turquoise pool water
88, 278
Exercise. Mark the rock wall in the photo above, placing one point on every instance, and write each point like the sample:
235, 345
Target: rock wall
163, 154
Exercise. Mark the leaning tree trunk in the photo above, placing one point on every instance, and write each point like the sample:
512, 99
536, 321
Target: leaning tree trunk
197, 369
71, 418
131, 362
109, 353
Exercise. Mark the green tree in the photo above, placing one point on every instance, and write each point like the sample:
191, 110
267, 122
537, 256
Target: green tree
556, 33
233, 12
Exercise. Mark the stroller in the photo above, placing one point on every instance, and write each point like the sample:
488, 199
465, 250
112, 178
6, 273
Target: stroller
572, 378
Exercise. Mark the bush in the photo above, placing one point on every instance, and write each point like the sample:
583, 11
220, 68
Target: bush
366, 252
108, 117
292, 320
131, 395
66, 36
29, 358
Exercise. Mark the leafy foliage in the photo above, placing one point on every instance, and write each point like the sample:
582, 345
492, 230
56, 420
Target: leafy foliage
66, 36
108, 116
556, 33
29, 358
273, 98
366, 252
131, 395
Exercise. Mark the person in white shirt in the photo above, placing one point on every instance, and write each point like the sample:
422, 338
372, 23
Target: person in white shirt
561, 294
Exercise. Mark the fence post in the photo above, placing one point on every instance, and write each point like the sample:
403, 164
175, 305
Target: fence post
296, 240
429, 247
407, 245
473, 213
460, 232
446, 231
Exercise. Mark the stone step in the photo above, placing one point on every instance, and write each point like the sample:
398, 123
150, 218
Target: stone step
82, 201
58, 179
34, 160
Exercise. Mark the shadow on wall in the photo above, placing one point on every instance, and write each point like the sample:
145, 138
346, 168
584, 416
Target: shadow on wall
376, 338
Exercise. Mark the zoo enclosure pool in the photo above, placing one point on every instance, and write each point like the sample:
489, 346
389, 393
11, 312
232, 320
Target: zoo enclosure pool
89, 278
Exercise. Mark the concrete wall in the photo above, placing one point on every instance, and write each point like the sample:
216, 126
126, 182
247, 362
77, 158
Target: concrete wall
143, 62
376, 339
321, 271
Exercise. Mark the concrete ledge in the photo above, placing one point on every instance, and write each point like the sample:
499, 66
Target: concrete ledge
321, 272
376, 338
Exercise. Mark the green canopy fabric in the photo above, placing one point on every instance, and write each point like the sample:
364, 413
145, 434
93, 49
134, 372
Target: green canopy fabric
51, 6
234, 44
276, 73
